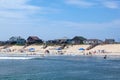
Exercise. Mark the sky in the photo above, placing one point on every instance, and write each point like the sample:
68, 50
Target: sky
52, 19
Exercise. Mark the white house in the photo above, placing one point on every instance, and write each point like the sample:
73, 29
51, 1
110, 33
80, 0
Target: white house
92, 41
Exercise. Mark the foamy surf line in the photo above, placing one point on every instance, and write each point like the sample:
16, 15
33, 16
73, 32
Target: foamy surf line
17, 58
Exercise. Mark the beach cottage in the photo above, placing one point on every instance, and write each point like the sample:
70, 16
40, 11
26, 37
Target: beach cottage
2, 43
63, 40
92, 41
34, 39
78, 40
17, 40
109, 41
50, 42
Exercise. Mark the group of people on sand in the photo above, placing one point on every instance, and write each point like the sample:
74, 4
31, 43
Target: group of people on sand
94, 52
8, 50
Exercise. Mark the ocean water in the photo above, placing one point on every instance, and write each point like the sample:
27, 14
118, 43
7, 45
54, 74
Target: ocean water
61, 68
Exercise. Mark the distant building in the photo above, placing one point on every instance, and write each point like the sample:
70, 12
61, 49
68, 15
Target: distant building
92, 41
17, 40
63, 40
3, 43
78, 40
109, 41
51, 42
34, 39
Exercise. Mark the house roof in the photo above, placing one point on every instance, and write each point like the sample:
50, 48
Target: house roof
16, 38
34, 37
79, 38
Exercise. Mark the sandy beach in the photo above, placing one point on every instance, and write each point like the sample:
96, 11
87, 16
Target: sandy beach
106, 49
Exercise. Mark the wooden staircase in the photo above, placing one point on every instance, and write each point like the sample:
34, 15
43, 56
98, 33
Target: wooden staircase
26, 45
91, 46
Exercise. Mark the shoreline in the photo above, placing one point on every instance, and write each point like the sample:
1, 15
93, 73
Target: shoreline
53, 54
26, 56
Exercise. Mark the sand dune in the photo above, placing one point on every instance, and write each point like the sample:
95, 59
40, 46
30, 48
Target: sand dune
113, 48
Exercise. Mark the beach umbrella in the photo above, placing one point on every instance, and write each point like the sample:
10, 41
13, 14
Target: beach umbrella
58, 49
81, 49
32, 49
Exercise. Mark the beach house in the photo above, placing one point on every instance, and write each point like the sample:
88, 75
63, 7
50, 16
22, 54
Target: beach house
50, 42
34, 39
109, 41
78, 40
92, 41
63, 40
2, 43
17, 40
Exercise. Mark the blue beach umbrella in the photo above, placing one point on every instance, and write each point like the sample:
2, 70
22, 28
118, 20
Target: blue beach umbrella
58, 49
81, 49
32, 49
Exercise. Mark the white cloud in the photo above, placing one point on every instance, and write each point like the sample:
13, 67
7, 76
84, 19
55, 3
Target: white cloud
80, 3
91, 29
16, 4
21, 9
11, 14
91, 25
16, 8
117, 22
111, 4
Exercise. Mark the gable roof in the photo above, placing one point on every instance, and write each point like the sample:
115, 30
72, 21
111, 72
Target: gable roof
79, 38
34, 37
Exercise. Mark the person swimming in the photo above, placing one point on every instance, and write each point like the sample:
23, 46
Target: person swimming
105, 57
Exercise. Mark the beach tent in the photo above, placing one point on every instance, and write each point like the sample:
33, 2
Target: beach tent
82, 49
32, 49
